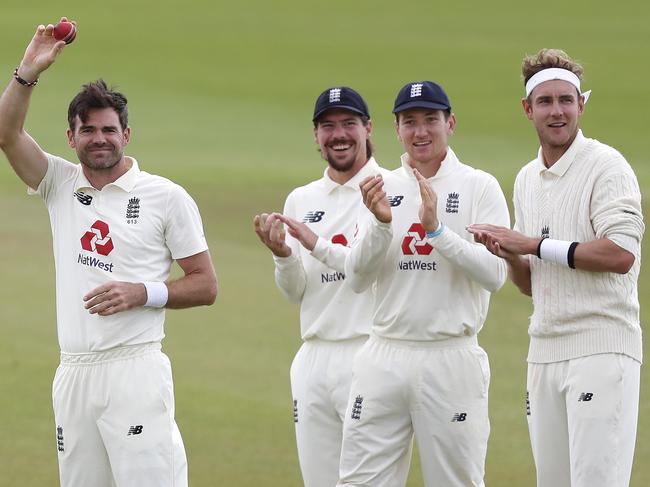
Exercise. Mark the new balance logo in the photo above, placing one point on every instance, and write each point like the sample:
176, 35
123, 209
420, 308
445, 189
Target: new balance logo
395, 200
546, 232
335, 95
586, 396
416, 89
59, 438
83, 198
452, 203
295, 410
356, 408
313, 217
459, 417
135, 430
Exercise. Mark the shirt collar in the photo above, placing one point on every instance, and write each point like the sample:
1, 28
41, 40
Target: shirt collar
370, 168
563, 163
126, 181
447, 165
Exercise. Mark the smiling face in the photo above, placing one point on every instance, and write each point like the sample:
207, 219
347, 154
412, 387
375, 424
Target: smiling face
424, 132
100, 141
554, 107
341, 136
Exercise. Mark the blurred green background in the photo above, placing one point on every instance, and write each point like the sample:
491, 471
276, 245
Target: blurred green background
220, 96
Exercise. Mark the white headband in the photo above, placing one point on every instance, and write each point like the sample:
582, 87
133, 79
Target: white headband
551, 74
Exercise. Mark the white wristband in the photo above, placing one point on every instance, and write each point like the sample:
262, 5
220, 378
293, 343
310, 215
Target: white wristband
157, 294
558, 251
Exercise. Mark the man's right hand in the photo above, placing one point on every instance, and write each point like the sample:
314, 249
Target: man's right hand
270, 230
374, 197
41, 52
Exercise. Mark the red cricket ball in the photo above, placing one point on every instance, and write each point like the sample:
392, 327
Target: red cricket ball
65, 31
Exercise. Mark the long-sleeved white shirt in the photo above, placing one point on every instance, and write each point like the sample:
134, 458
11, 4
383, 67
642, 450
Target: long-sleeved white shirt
591, 192
436, 288
329, 309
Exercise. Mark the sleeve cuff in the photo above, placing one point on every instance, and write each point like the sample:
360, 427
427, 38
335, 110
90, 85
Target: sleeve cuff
626, 242
320, 249
285, 262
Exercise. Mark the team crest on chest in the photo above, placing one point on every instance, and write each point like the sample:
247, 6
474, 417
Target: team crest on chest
133, 211
452, 203
546, 232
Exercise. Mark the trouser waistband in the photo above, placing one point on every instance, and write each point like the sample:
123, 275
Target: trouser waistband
446, 344
118, 353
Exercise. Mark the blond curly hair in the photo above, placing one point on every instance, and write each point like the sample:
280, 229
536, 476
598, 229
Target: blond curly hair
549, 58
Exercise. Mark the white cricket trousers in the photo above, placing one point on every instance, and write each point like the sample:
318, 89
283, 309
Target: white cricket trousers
437, 389
582, 418
114, 414
321, 373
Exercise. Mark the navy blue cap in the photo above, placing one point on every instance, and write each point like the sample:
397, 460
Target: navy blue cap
422, 94
341, 97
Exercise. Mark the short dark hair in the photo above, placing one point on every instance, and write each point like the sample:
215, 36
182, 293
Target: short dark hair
446, 114
96, 94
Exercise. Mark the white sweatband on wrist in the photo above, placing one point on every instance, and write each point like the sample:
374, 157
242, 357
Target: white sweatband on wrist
549, 74
157, 294
558, 251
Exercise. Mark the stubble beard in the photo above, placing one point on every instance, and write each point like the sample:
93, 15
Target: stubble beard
104, 164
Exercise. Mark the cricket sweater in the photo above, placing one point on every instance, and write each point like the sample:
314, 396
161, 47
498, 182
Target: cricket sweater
590, 193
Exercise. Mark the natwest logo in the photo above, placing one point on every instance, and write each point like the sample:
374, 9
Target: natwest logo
340, 239
97, 240
414, 242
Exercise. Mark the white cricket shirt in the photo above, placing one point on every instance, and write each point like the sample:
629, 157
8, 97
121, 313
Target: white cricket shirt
329, 309
130, 231
431, 288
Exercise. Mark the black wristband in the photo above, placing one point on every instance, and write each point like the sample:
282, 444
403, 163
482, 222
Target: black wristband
23, 81
570, 255
539, 246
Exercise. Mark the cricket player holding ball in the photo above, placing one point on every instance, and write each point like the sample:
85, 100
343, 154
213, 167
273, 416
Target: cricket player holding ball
116, 232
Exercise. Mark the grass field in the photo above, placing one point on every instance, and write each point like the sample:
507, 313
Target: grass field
220, 99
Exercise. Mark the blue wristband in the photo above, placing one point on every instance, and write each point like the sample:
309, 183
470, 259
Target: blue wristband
437, 232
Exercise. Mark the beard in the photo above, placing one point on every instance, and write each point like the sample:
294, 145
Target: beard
341, 166
98, 162
338, 164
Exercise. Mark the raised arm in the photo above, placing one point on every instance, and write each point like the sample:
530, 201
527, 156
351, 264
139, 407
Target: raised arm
375, 233
290, 275
474, 260
511, 246
331, 254
24, 154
